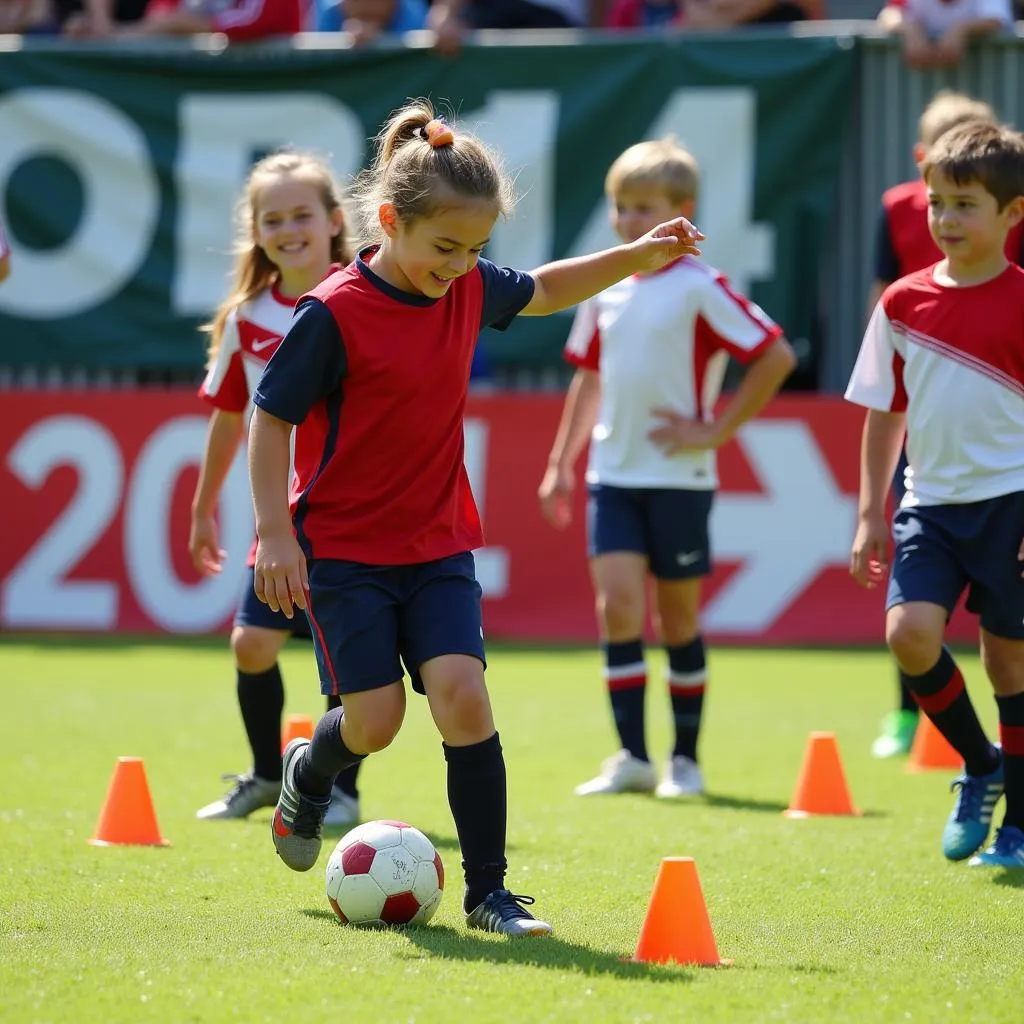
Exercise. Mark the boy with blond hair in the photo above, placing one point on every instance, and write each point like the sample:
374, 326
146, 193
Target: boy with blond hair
651, 353
904, 244
942, 365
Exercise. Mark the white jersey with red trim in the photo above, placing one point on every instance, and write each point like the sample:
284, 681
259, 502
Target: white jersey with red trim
953, 360
661, 340
251, 335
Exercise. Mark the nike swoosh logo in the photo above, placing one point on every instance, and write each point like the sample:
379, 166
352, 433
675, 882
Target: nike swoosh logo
279, 826
688, 557
259, 346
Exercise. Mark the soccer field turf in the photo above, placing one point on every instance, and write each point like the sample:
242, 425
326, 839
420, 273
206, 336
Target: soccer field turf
826, 919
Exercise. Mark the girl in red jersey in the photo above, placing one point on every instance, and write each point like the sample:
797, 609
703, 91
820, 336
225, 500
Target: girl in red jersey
376, 542
291, 232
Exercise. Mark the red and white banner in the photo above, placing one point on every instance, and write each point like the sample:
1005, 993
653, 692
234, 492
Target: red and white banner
95, 489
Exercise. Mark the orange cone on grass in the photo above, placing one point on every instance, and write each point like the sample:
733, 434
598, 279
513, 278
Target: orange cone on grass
128, 818
676, 928
821, 786
931, 750
296, 726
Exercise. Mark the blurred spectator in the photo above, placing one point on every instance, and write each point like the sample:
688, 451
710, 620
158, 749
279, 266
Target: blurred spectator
97, 17
364, 20
27, 17
5, 255
645, 13
723, 14
239, 20
449, 18
934, 33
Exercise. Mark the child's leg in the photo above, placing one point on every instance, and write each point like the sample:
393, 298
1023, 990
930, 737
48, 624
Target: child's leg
1004, 663
679, 617
914, 633
347, 779
619, 580
260, 694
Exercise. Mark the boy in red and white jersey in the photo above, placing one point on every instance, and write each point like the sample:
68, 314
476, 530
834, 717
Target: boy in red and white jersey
942, 363
651, 353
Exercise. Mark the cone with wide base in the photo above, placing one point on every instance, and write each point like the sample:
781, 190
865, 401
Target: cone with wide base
821, 786
676, 928
296, 727
128, 818
931, 750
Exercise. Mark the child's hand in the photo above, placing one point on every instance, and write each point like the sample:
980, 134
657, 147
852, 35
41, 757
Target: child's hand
665, 243
555, 493
677, 433
204, 546
869, 556
280, 574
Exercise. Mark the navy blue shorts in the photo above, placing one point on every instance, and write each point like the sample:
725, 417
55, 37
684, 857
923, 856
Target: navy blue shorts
369, 620
668, 525
943, 550
253, 612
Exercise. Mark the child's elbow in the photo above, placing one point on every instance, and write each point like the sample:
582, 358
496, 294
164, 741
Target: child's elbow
783, 357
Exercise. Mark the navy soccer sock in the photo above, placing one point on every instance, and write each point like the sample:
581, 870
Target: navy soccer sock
261, 701
687, 677
1011, 736
942, 696
907, 702
325, 757
626, 676
346, 779
477, 795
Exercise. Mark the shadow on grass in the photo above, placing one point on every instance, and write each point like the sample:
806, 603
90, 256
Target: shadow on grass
448, 943
1013, 878
742, 803
449, 843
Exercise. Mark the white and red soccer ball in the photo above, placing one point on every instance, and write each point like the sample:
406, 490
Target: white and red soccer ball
385, 872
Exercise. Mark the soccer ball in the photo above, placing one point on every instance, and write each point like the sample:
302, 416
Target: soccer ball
385, 872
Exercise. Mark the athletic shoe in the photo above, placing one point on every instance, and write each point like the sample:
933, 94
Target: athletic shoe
620, 773
897, 735
967, 828
504, 912
343, 811
248, 794
682, 778
1006, 852
298, 819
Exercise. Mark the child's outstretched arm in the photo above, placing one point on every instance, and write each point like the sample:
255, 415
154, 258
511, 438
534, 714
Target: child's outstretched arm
880, 447
223, 436
568, 282
761, 382
574, 429
281, 579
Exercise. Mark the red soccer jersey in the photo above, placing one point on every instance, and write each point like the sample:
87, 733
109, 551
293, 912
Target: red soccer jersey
907, 244
376, 380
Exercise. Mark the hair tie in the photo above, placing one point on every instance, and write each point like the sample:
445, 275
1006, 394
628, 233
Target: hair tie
437, 133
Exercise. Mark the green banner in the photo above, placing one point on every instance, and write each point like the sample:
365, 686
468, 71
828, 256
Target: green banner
119, 170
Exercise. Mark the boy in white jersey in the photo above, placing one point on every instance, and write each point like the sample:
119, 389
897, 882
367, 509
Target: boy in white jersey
651, 353
943, 362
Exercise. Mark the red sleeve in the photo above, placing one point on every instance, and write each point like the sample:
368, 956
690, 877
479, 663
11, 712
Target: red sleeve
583, 346
624, 14
228, 389
258, 19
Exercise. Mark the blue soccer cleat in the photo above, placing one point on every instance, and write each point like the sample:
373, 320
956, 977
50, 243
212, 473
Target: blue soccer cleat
967, 828
1006, 852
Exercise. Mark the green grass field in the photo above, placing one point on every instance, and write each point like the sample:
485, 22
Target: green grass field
827, 919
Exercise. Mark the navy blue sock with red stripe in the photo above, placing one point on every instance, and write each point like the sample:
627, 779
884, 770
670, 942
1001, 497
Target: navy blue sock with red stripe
942, 696
687, 677
347, 777
1011, 736
626, 675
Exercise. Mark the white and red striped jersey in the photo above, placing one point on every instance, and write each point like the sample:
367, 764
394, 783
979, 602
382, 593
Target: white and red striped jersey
661, 340
251, 335
953, 360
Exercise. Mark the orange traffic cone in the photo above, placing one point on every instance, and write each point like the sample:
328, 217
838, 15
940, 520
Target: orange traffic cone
676, 928
931, 750
821, 787
294, 727
127, 818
